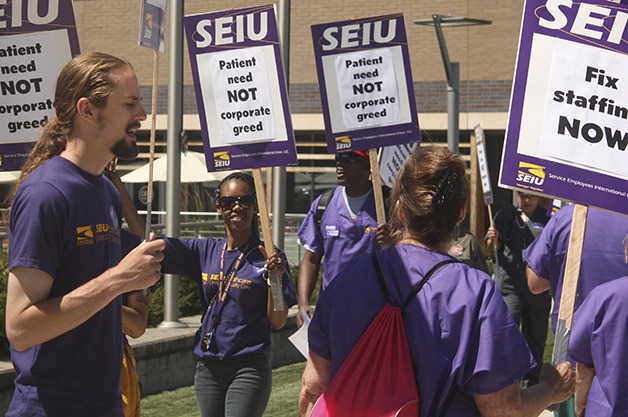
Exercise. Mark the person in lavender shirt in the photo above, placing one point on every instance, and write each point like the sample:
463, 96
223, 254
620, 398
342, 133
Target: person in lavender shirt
602, 260
602, 257
348, 227
599, 346
463, 341
66, 270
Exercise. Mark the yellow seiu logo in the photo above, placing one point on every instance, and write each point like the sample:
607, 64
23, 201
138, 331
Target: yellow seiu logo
221, 159
343, 143
84, 235
149, 21
531, 173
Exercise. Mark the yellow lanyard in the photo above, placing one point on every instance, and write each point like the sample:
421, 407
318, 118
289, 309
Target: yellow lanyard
222, 295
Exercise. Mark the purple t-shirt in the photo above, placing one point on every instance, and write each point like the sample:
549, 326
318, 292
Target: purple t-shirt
338, 237
66, 223
598, 340
602, 253
459, 329
244, 327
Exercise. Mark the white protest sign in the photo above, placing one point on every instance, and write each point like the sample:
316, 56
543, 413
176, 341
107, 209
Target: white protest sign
588, 99
485, 177
391, 160
363, 90
368, 88
241, 91
29, 81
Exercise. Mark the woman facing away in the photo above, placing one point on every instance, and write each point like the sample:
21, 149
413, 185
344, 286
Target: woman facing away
468, 354
232, 345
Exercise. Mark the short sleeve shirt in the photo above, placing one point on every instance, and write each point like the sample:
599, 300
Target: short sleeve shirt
339, 238
598, 339
459, 329
602, 252
66, 222
244, 327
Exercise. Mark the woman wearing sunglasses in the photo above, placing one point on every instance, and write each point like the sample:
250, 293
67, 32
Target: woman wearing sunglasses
233, 372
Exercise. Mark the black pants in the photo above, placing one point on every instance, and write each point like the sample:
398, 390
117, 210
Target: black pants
531, 312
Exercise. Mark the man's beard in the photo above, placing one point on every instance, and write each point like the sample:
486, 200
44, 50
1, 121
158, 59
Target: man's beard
124, 149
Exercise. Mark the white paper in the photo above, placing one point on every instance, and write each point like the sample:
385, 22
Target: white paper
299, 338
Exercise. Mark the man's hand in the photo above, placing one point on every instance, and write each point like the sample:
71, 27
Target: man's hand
561, 378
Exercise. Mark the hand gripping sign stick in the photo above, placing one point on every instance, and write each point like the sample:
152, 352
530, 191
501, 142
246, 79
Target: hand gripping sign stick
151, 153
152, 18
275, 280
485, 179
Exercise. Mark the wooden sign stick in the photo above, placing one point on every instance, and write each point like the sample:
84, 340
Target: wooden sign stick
275, 280
151, 153
380, 209
570, 284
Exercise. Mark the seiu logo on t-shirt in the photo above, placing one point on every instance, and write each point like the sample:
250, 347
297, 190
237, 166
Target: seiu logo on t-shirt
331, 230
87, 235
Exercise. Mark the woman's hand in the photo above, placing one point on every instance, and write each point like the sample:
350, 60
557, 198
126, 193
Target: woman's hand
274, 262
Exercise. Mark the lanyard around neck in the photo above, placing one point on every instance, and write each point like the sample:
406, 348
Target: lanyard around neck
222, 295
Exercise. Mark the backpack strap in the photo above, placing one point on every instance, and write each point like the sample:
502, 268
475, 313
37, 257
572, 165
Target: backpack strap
415, 290
322, 204
427, 276
328, 194
380, 277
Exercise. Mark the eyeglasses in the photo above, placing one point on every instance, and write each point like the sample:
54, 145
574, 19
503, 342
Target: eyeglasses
528, 197
346, 157
227, 202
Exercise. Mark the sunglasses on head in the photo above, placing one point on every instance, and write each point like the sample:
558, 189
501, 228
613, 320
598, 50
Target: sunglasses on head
346, 157
227, 202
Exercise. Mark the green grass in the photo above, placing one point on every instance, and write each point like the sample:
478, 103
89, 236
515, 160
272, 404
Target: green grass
283, 399
181, 402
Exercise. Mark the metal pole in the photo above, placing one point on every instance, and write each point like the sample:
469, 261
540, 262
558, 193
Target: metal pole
279, 173
173, 185
453, 108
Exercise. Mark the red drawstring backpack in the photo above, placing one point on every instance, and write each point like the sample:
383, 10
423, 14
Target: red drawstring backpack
377, 377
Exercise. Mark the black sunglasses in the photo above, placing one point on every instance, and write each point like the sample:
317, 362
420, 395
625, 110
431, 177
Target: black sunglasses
346, 157
227, 203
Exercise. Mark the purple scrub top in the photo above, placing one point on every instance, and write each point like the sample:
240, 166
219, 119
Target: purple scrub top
459, 329
602, 253
599, 339
339, 238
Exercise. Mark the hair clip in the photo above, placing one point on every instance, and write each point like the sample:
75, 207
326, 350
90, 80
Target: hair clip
445, 188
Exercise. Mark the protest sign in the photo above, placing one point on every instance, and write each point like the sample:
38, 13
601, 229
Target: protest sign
152, 33
37, 38
485, 177
392, 158
566, 135
365, 83
153, 24
240, 88
242, 100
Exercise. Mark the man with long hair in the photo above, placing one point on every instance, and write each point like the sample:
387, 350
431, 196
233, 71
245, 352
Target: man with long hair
66, 271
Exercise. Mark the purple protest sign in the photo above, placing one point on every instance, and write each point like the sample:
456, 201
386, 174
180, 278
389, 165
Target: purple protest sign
240, 89
153, 24
365, 83
37, 38
566, 136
